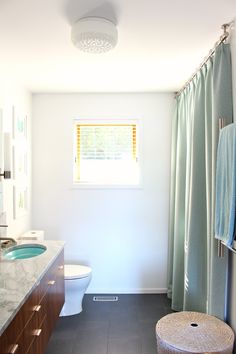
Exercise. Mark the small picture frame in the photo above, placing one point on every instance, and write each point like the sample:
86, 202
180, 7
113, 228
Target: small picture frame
20, 195
19, 164
19, 152
19, 125
13, 122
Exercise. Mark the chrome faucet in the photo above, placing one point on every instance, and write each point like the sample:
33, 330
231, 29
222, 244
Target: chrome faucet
11, 240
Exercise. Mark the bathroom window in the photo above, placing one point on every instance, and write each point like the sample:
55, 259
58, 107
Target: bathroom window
106, 153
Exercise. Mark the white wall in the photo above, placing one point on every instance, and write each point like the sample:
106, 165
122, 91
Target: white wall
13, 95
121, 233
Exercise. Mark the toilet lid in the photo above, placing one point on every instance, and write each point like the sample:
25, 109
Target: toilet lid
75, 271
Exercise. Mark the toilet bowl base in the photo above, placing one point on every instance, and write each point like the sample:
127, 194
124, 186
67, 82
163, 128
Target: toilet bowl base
74, 293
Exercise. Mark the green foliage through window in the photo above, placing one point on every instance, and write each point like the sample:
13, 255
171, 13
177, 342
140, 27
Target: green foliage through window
114, 145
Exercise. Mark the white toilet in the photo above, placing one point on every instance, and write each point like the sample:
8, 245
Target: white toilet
77, 279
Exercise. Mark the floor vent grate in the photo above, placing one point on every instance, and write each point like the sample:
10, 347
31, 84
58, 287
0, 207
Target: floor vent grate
105, 298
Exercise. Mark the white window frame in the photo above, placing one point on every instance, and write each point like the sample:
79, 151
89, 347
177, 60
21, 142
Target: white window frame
87, 185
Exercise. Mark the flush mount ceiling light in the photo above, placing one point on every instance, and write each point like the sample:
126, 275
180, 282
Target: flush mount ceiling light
94, 35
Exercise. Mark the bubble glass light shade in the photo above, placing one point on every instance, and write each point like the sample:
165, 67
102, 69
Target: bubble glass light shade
94, 35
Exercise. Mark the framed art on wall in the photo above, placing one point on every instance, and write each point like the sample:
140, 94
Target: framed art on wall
19, 125
19, 152
20, 195
19, 164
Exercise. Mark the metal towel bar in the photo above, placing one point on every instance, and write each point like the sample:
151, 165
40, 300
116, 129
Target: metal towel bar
220, 247
230, 248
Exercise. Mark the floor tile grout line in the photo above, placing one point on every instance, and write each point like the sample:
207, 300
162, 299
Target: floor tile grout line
142, 329
108, 332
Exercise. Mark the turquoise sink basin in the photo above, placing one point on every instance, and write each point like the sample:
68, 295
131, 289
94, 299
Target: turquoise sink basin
24, 251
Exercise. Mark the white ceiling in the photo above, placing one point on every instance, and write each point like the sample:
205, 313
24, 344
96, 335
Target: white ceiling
160, 43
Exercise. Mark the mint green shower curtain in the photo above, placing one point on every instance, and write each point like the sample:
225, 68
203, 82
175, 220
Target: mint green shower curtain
197, 277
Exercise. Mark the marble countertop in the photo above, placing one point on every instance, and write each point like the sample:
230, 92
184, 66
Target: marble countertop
18, 279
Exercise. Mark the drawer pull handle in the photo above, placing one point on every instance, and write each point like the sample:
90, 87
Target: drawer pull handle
51, 282
37, 308
61, 267
14, 349
37, 332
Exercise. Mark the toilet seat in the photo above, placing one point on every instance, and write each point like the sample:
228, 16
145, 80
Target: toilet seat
75, 271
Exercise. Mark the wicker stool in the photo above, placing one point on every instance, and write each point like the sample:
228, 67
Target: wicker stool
193, 332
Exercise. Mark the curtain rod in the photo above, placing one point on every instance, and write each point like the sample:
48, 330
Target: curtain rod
225, 35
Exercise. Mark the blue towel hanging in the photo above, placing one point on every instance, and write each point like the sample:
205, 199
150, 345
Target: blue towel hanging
225, 207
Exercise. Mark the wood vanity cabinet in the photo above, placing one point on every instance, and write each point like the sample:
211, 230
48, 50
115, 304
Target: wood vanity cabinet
31, 328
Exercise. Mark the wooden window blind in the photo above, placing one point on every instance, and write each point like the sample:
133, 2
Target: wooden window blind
102, 147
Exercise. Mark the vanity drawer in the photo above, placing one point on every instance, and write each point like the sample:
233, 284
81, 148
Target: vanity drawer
56, 292
28, 309
41, 310
40, 342
13, 332
49, 279
57, 268
43, 286
30, 329
28, 335
21, 344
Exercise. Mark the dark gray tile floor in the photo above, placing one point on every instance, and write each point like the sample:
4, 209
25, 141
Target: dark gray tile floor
123, 327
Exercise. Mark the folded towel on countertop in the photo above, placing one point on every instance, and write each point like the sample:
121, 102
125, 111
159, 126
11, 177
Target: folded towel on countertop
225, 206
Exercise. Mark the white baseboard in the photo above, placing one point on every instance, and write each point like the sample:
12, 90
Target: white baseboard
126, 291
